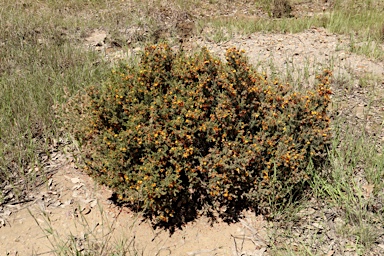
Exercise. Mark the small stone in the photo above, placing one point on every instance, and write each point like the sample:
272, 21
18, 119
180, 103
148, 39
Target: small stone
75, 180
68, 202
306, 212
338, 221
93, 203
57, 204
97, 38
7, 213
317, 225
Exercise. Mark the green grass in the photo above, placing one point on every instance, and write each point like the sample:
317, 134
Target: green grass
351, 190
354, 185
40, 66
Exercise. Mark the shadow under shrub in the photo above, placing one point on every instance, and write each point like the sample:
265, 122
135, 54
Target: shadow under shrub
178, 136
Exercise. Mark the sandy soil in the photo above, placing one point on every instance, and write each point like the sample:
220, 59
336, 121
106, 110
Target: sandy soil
71, 204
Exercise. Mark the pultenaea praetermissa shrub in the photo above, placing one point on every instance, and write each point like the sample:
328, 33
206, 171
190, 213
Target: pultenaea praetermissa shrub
176, 136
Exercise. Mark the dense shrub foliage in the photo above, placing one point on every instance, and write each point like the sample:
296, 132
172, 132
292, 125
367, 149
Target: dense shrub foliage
178, 136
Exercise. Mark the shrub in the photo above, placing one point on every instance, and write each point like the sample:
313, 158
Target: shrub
177, 136
281, 9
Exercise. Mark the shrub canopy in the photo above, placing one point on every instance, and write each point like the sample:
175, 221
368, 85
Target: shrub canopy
177, 136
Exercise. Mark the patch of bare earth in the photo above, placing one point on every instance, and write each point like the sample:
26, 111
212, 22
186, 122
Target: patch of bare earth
70, 203
71, 207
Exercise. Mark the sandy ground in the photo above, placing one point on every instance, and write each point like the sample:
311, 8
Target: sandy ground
71, 204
